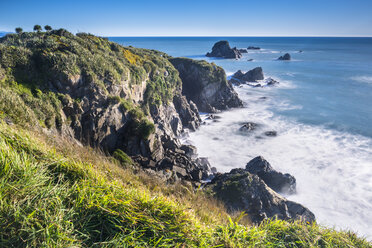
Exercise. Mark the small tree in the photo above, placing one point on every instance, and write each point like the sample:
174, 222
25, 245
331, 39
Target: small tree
19, 30
37, 28
47, 28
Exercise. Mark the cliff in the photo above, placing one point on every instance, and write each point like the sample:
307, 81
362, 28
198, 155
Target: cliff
98, 93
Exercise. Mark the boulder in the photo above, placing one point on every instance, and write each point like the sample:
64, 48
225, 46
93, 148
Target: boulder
286, 56
223, 49
243, 50
250, 76
271, 133
248, 127
278, 181
205, 84
271, 82
240, 190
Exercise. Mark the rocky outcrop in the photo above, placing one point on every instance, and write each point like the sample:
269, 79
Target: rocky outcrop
242, 191
286, 56
125, 98
250, 76
205, 84
278, 181
243, 50
248, 127
222, 49
253, 48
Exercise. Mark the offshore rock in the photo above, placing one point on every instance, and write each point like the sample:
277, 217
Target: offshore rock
286, 56
223, 49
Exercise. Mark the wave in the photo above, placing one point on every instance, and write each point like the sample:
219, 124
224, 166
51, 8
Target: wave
363, 79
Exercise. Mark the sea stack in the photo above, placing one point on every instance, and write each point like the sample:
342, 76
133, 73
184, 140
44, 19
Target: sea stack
286, 56
222, 49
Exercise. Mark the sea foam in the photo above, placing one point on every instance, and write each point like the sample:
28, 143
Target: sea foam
332, 168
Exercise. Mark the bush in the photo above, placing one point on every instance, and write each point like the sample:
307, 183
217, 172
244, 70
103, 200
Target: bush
122, 157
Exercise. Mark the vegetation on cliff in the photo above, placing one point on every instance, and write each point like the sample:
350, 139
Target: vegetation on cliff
33, 65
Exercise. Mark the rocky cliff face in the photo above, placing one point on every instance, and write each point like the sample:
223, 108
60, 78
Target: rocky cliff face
205, 84
105, 95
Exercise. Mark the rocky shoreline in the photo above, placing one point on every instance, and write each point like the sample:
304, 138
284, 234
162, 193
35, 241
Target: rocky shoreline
139, 105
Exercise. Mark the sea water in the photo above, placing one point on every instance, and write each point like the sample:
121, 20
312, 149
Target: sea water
321, 111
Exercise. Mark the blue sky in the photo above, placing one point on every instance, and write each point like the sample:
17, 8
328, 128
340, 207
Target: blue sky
193, 18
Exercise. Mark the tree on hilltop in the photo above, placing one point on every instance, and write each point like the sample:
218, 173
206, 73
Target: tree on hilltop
37, 28
47, 28
18, 30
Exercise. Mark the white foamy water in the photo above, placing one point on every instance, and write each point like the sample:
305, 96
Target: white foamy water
333, 169
363, 79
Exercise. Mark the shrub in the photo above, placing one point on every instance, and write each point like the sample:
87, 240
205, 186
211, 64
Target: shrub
122, 157
18, 30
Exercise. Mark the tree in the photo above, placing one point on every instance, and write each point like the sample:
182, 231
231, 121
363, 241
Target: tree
37, 28
47, 27
19, 30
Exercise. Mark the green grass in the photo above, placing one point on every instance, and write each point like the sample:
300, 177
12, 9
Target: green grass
55, 194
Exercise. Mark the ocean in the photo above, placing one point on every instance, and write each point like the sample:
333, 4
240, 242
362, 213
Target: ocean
321, 111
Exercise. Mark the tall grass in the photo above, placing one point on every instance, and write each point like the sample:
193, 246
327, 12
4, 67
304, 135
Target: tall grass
56, 194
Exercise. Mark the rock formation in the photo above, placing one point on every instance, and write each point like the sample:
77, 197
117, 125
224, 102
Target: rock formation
243, 191
250, 76
276, 180
286, 56
205, 84
223, 49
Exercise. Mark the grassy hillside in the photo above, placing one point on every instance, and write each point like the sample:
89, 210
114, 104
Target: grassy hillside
38, 69
54, 194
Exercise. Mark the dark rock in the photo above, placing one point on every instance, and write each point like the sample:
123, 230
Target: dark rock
180, 172
253, 48
187, 111
286, 56
249, 126
205, 84
197, 175
190, 151
271, 133
250, 76
213, 117
249, 59
243, 50
276, 180
223, 49
242, 191
271, 82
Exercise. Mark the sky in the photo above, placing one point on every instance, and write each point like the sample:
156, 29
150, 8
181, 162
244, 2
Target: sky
193, 18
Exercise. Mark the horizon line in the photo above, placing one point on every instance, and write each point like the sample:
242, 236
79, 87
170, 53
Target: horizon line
237, 36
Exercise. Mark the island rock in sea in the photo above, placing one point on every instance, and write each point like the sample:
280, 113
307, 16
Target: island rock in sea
286, 56
250, 76
223, 49
205, 84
